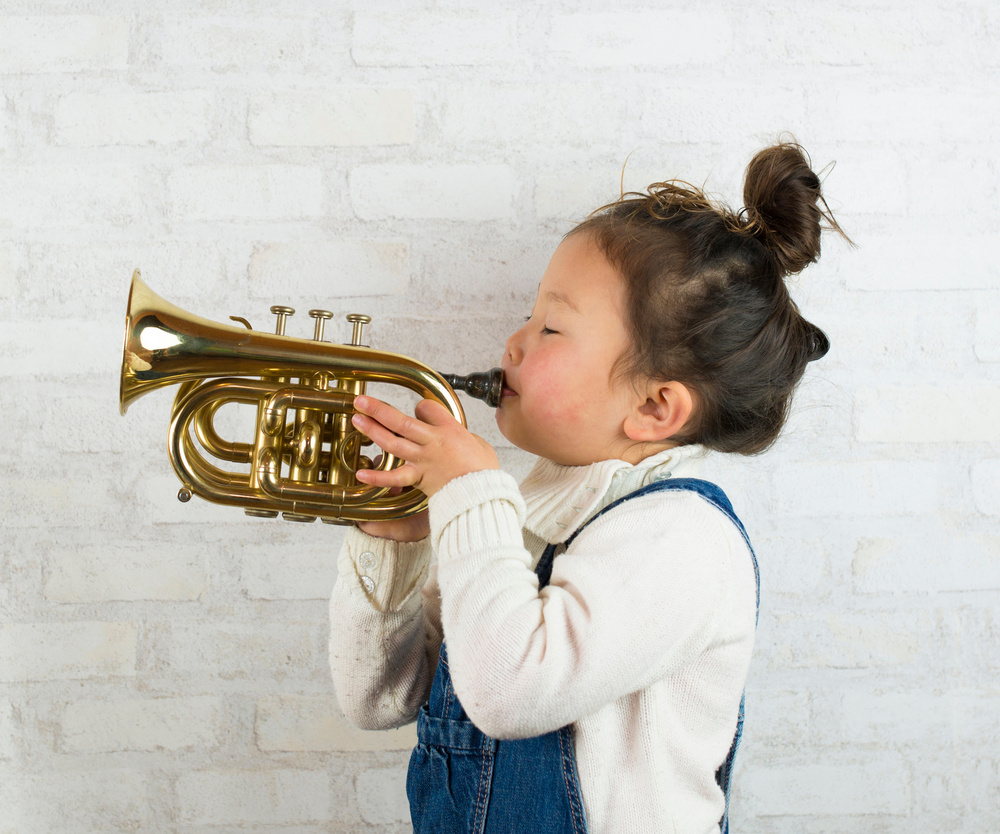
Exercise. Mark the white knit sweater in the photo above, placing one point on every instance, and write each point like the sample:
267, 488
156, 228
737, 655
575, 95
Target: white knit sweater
642, 640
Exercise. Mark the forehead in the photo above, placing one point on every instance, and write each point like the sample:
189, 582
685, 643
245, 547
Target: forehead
580, 276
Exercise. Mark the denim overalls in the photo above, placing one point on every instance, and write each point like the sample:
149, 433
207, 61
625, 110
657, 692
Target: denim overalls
461, 781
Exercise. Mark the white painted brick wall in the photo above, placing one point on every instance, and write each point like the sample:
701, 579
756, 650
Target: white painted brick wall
162, 666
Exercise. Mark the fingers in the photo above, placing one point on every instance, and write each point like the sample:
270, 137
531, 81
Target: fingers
385, 439
392, 418
402, 476
434, 413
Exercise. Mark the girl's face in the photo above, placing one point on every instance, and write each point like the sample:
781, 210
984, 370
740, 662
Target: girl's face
559, 400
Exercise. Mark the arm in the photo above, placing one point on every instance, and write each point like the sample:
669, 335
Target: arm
384, 638
637, 597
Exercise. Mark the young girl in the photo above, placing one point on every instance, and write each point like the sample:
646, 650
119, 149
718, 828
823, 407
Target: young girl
575, 651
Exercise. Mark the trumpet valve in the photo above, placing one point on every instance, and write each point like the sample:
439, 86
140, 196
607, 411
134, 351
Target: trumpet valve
359, 320
282, 312
321, 316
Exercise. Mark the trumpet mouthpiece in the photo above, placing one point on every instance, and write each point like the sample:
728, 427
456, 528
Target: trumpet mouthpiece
486, 386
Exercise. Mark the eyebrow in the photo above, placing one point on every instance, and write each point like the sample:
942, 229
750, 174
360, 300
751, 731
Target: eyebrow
559, 298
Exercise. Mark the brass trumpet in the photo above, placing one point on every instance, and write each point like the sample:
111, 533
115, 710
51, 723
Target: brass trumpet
302, 460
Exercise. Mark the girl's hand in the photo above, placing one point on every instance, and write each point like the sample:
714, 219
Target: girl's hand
413, 528
436, 447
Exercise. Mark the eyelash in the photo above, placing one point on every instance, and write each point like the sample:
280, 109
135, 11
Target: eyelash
545, 330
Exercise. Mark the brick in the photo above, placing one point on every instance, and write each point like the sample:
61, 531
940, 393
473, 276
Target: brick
382, 796
234, 43
265, 577
865, 181
333, 118
983, 788
261, 797
91, 726
910, 112
10, 265
421, 39
569, 193
944, 174
947, 413
860, 488
794, 566
188, 273
261, 192
880, 785
977, 643
697, 112
986, 486
335, 269
778, 717
69, 498
156, 495
57, 651
907, 341
423, 192
33, 349
928, 564
904, 261
9, 731
872, 38
563, 113
988, 332
63, 43
910, 717
125, 118
129, 571
91, 801
643, 38
852, 640
300, 723
94, 196
242, 651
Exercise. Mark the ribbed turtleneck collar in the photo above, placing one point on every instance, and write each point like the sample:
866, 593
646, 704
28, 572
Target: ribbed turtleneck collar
560, 499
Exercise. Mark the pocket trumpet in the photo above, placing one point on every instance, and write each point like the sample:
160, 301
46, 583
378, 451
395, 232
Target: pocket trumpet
305, 451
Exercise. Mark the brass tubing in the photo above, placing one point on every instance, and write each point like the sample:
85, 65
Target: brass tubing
217, 446
166, 345
274, 492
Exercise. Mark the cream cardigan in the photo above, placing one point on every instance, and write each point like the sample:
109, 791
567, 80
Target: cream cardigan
642, 640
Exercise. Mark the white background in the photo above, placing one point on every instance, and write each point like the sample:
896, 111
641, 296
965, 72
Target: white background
162, 666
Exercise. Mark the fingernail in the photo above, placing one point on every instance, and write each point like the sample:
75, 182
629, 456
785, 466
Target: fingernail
361, 401
358, 420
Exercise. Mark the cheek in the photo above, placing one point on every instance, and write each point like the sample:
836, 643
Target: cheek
558, 391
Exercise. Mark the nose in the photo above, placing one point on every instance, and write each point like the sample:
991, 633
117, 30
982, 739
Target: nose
513, 348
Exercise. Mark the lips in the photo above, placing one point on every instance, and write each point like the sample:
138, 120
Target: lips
507, 390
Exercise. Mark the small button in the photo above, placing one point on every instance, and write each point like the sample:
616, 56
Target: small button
367, 560
369, 584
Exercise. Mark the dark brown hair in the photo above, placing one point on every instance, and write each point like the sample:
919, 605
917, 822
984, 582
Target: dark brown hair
706, 298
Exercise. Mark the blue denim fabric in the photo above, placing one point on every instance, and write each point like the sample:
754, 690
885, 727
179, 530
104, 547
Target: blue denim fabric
461, 781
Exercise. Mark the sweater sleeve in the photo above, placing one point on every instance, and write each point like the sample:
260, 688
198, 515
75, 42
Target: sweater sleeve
385, 629
638, 595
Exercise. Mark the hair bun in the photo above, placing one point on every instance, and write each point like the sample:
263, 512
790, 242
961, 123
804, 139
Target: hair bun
782, 197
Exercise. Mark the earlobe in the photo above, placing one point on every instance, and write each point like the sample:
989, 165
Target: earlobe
666, 410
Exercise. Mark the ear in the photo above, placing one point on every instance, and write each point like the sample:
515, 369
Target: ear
664, 412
